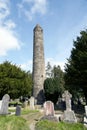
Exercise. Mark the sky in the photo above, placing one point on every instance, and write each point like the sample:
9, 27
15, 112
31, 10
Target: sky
61, 20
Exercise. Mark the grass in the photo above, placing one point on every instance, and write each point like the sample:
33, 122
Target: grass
49, 125
23, 111
13, 123
26, 111
15, 103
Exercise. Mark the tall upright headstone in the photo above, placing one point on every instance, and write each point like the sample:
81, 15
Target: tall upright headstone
38, 65
4, 105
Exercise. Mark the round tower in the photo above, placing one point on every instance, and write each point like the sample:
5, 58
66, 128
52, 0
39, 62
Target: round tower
38, 65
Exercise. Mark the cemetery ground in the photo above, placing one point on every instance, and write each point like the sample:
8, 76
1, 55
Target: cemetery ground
28, 119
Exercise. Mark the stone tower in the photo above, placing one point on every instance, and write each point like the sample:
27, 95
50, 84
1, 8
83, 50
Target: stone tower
38, 65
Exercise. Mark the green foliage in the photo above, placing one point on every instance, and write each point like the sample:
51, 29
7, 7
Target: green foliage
13, 123
27, 111
54, 84
49, 125
76, 68
14, 81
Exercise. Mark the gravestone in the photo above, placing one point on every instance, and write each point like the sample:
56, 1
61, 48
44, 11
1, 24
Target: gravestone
0, 104
67, 97
48, 108
86, 111
49, 111
85, 117
18, 110
32, 107
25, 104
4, 105
69, 115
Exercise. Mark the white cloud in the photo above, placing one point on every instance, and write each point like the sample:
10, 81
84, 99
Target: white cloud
34, 7
27, 66
55, 62
8, 40
4, 9
9, 24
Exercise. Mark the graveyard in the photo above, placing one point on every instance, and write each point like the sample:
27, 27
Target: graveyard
39, 110
28, 116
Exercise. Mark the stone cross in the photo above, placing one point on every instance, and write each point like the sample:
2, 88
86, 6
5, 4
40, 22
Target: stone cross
4, 105
67, 97
48, 108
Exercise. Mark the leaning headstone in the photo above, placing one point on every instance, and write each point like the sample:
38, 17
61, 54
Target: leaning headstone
4, 105
18, 110
69, 115
85, 117
49, 111
32, 106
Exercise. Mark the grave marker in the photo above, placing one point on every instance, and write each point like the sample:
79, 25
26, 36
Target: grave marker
69, 115
0, 104
67, 97
85, 117
49, 108
32, 107
4, 104
18, 110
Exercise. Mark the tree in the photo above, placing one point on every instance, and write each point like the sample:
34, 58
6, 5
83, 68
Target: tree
54, 85
76, 68
14, 81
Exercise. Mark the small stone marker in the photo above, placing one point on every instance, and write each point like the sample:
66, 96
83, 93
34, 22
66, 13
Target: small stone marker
85, 117
69, 115
48, 108
0, 104
86, 110
4, 105
32, 107
18, 110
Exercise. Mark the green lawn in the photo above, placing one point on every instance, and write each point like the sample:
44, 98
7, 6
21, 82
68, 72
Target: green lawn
13, 123
49, 125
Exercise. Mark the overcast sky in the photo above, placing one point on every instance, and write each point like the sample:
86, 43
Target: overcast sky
61, 20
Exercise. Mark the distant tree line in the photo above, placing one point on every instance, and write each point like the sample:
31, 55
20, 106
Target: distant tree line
54, 83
